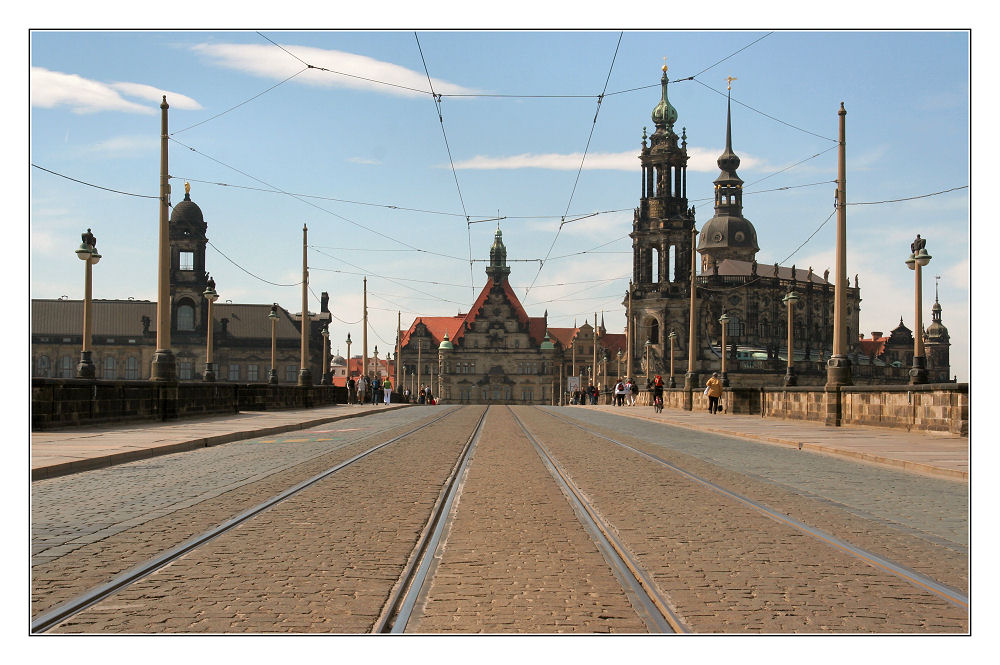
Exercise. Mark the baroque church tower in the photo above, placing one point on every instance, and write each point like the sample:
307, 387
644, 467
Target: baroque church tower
728, 235
188, 278
661, 239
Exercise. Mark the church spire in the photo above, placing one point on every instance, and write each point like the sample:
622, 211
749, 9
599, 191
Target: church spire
498, 269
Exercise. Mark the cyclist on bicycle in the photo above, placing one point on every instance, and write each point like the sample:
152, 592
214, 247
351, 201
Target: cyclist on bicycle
658, 392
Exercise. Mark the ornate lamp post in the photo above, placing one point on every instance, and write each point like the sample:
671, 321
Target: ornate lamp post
378, 368
349, 397
672, 336
211, 296
272, 374
918, 258
647, 345
324, 377
87, 253
790, 298
724, 321
619, 363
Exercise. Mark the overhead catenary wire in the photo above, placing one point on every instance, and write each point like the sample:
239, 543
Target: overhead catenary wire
451, 160
247, 101
90, 184
257, 277
593, 126
310, 203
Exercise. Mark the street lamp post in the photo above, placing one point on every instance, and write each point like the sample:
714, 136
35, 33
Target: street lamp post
672, 336
211, 296
87, 253
272, 374
324, 377
918, 258
790, 379
724, 321
619, 363
647, 345
349, 395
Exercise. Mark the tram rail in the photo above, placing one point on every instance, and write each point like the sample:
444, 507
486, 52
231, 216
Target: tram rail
81, 602
921, 581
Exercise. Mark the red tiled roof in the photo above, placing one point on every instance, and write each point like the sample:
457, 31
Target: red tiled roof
455, 326
870, 346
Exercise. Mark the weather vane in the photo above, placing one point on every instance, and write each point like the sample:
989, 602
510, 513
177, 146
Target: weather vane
729, 82
664, 63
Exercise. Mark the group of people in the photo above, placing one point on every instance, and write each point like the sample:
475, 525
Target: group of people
375, 390
369, 390
626, 392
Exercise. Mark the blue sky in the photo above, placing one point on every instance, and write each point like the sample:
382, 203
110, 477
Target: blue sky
368, 165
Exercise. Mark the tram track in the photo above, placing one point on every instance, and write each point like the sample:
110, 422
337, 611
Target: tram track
918, 580
53, 617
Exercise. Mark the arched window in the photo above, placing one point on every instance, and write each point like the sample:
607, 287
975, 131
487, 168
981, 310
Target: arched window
109, 367
735, 327
654, 331
185, 317
656, 265
43, 367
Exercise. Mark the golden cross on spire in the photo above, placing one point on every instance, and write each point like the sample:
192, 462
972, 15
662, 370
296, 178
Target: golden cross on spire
664, 63
729, 82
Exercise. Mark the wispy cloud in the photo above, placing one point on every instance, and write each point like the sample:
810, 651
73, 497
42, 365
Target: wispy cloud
364, 160
700, 159
120, 146
362, 72
51, 89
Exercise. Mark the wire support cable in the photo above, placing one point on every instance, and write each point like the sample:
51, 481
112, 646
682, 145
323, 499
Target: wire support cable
583, 159
233, 108
908, 198
89, 184
451, 159
313, 205
257, 277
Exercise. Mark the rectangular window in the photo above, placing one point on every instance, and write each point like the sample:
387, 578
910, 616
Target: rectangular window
187, 260
234, 372
252, 373
291, 374
185, 370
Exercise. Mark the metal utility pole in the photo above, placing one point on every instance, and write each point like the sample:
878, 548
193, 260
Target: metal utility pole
164, 366
691, 378
305, 374
629, 334
838, 367
399, 340
364, 329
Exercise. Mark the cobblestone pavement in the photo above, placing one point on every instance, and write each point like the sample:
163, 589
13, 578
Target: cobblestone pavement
516, 559
726, 567
90, 526
324, 560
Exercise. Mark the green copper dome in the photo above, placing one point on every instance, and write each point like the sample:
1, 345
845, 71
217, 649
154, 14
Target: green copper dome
446, 345
664, 113
547, 345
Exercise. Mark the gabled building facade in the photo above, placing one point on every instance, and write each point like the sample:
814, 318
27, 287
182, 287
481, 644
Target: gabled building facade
124, 331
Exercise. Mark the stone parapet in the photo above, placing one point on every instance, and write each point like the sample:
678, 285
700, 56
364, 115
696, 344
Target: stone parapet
77, 402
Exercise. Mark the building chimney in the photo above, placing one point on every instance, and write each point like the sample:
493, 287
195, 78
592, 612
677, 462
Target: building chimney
876, 334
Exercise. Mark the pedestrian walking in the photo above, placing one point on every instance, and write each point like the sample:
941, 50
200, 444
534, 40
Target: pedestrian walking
658, 393
713, 388
376, 390
387, 388
421, 396
620, 393
428, 396
362, 389
351, 387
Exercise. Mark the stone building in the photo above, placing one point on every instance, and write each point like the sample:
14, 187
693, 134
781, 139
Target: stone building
730, 280
124, 331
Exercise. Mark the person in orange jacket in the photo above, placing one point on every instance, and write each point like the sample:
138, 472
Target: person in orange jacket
713, 388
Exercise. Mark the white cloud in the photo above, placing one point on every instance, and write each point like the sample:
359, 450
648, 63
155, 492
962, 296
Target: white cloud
274, 63
119, 146
154, 94
363, 160
51, 89
700, 159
